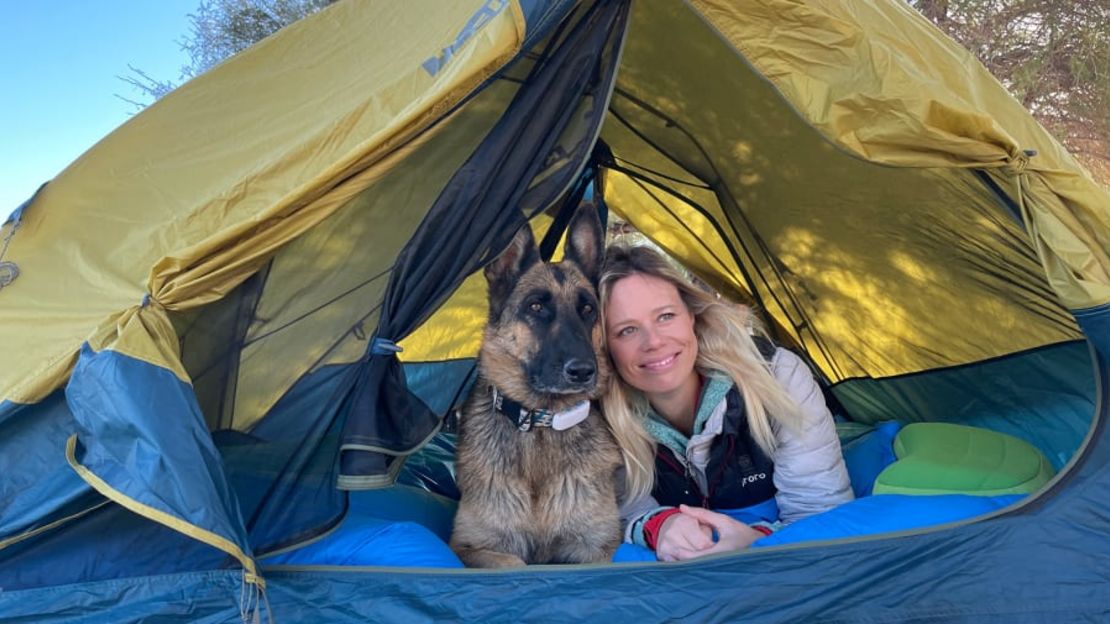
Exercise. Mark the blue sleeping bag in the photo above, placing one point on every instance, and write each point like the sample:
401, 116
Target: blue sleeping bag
364, 539
407, 526
867, 456
397, 527
886, 513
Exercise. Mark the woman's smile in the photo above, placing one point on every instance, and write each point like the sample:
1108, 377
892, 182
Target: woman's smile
661, 365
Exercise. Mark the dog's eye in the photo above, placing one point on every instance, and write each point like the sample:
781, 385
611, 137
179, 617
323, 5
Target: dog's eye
587, 309
536, 307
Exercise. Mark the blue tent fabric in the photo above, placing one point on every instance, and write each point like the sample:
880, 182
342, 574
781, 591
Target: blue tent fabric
1035, 564
37, 488
439, 385
1095, 323
1042, 562
17, 215
290, 455
1044, 396
168, 463
196, 597
126, 545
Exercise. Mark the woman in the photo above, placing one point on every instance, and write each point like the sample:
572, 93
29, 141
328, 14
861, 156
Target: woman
708, 416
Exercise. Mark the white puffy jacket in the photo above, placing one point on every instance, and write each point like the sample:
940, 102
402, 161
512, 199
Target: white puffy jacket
810, 474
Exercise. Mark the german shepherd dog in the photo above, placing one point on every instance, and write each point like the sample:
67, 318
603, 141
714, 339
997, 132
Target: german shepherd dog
537, 463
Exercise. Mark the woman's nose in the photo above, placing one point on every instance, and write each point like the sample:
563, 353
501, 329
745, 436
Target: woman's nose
652, 339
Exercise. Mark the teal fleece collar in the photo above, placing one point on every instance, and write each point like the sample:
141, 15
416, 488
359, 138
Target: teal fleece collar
717, 386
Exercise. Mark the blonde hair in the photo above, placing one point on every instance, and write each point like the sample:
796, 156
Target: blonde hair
725, 344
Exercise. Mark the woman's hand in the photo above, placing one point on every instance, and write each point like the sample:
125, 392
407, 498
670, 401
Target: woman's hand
682, 537
731, 533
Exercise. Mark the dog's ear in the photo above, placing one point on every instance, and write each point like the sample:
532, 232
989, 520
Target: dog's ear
503, 273
586, 241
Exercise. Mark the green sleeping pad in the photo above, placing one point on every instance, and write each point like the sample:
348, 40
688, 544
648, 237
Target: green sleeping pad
939, 458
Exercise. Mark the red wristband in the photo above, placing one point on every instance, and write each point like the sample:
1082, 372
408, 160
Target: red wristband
762, 529
652, 526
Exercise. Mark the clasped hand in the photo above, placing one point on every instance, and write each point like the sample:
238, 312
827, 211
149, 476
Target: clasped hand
689, 534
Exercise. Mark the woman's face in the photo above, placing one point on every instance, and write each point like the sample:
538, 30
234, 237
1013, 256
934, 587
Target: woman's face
650, 334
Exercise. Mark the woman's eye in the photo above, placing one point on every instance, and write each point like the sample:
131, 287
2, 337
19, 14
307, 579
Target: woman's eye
626, 331
666, 316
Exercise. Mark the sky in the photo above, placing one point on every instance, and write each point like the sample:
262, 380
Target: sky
59, 62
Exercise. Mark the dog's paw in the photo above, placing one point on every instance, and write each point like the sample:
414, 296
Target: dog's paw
480, 558
504, 560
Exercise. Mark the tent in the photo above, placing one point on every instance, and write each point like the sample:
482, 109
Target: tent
266, 285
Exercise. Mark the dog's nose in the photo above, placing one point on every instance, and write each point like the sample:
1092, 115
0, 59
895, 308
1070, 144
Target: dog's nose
579, 371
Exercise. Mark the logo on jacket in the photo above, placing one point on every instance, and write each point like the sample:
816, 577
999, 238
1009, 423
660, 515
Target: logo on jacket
759, 476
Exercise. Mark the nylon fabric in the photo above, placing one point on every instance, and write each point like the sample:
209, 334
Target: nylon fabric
840, 264
1096, 324
193, 598
127, 546
1046, 397
37, 487
454, 331
168, 464
1072, 239
512, 166
290, 456
235, 185
883, 83
323, 293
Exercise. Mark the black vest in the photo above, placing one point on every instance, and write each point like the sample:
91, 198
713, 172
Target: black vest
739, 473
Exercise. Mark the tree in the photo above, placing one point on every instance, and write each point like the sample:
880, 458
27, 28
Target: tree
220, 29
1053, 56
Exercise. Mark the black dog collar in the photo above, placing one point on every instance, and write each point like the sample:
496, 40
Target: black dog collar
525, 419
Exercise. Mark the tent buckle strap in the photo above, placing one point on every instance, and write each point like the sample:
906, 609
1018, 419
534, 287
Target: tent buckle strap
384, 346
254, 579
252, 597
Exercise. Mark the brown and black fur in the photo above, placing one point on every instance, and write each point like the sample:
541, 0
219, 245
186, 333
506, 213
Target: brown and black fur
539, 496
